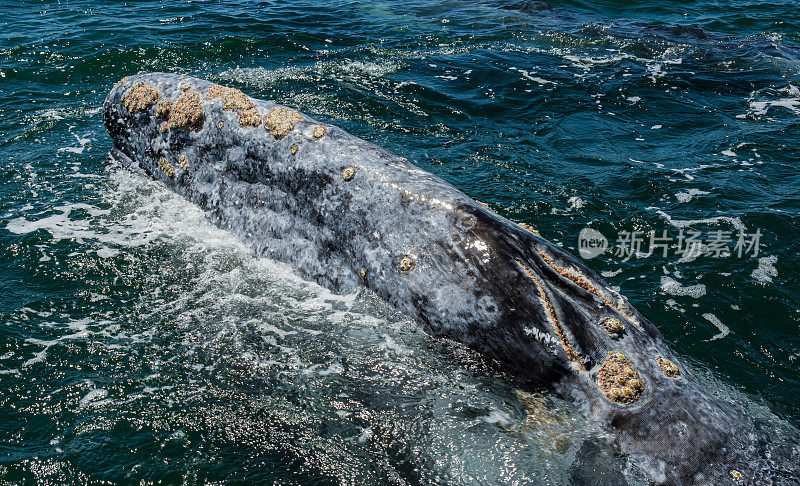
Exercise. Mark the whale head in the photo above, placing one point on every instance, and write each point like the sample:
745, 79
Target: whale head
576, 332
350, 215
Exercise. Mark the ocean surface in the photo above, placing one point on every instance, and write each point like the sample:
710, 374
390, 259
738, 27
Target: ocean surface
139, 343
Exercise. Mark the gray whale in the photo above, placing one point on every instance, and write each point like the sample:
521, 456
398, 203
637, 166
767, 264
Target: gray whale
348, 214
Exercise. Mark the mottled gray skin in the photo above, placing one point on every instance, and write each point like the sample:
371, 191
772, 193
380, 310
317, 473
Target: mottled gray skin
466, 285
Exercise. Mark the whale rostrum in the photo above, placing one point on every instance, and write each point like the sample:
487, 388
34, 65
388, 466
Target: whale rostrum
348, 214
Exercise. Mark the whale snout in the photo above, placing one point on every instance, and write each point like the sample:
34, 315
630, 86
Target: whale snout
629, 379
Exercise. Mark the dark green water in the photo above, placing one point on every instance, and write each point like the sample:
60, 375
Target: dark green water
139, 343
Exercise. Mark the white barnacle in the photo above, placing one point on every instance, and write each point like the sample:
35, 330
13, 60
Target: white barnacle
406, 265
348, 174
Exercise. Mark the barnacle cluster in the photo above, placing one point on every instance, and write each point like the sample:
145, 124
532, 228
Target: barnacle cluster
294, 148
319, 132
166, 167
280, 121
140, 98
234, 100
163, 109
612, 326
619, 380
183, 162
187, 112
667, 367
551, 313
406, 265
123, 81
215, 91
528, 228
348, 174
578, 280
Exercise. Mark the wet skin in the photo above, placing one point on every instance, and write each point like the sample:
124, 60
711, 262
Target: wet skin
347, 214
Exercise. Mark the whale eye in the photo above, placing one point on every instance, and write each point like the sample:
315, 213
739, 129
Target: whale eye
406, 265
348, 174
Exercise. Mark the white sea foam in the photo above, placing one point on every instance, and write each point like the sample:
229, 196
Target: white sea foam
789, 100
366, 434
389, 344
762, 107
93, 395
82, 143
575, 202
723, 329
672, 304
689, 194
497, 417
261, 77
80, 326
536, 79
766, 270
672, 287
333, 369
106, 252
685, 223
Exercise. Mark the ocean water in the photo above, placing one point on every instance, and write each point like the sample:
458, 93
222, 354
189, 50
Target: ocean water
139, 343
